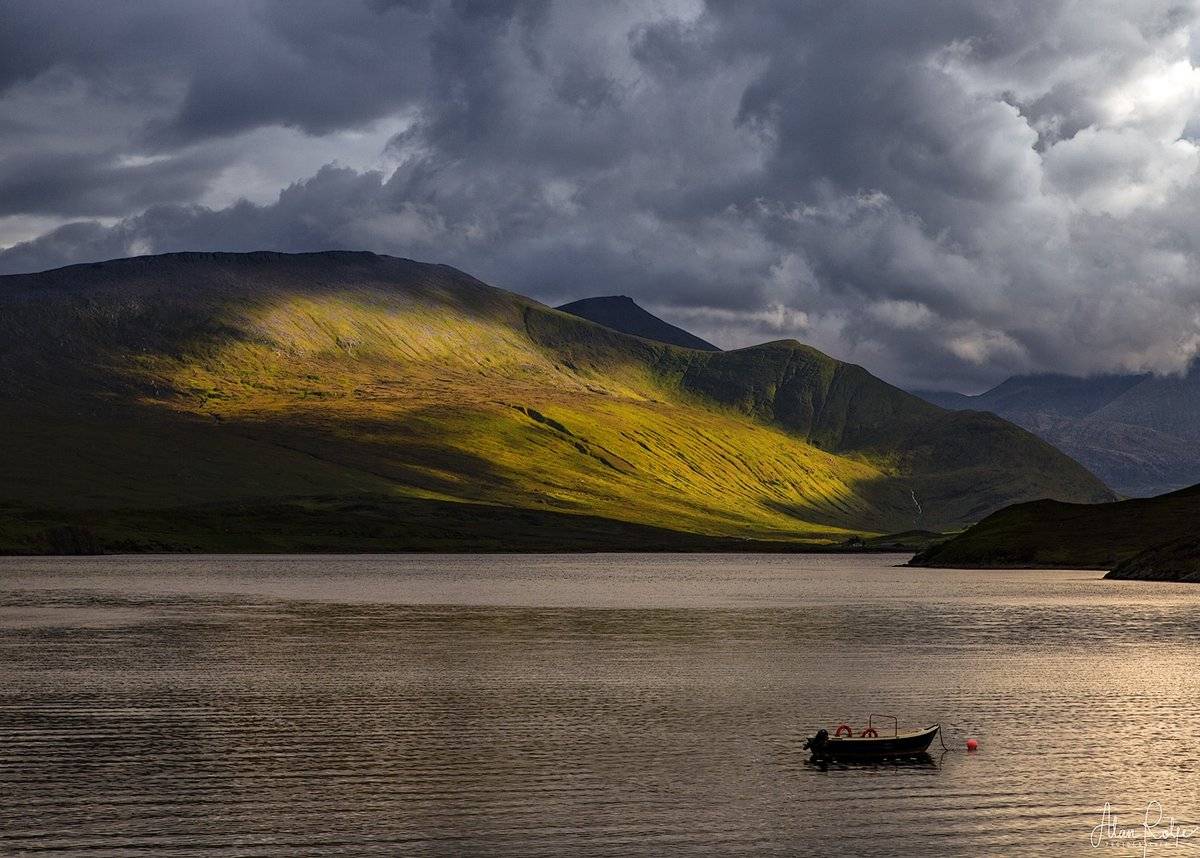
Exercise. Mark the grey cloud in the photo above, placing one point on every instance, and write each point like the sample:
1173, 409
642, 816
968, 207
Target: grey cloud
83, 183
315, 66
946, 192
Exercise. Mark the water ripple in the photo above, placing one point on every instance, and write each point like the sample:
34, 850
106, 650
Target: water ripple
598, 706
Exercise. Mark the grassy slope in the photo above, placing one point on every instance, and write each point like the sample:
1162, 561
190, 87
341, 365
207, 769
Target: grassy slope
142, 396
1052, 534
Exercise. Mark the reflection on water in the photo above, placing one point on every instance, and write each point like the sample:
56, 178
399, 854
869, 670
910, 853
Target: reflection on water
586, 705
914, 761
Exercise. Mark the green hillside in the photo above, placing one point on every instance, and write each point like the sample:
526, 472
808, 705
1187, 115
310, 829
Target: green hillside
1080, 536
347, 401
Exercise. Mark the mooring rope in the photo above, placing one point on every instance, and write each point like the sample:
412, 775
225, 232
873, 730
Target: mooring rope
958, 728
942, 740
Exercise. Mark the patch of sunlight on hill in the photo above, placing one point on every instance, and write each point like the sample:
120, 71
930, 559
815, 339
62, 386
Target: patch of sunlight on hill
358, 345
658, 463
445, 404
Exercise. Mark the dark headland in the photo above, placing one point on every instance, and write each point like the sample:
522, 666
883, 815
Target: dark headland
1151, 538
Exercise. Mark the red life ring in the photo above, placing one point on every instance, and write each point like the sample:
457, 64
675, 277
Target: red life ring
843, 730
869, 733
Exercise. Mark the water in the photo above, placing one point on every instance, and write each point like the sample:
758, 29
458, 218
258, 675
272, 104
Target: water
592, 705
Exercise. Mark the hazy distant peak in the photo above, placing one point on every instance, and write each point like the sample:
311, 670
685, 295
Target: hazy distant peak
1135, 431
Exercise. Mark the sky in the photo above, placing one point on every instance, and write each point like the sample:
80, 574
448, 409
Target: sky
948, 193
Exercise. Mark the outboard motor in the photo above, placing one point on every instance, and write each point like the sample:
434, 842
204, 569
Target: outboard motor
817, 743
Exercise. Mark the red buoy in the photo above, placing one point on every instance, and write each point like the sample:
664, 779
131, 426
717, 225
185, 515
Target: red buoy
972, 744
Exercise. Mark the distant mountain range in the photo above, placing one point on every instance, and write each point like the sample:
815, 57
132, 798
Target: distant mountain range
1138, 433
351, 402
621, 314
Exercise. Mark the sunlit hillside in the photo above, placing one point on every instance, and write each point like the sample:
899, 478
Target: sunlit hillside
144, 396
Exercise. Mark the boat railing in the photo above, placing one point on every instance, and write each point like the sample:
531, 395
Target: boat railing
895, 723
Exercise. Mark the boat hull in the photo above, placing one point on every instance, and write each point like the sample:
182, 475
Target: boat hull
855, 747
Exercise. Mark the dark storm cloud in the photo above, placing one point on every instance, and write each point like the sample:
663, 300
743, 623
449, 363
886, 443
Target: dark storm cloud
88, 183
316, 66
310, 64
944, 191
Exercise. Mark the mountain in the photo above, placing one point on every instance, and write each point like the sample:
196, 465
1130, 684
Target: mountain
1128, 535
1026, 395
348, 401
622, 314
1139, 433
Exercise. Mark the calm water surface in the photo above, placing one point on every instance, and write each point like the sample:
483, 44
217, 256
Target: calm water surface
594, 705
